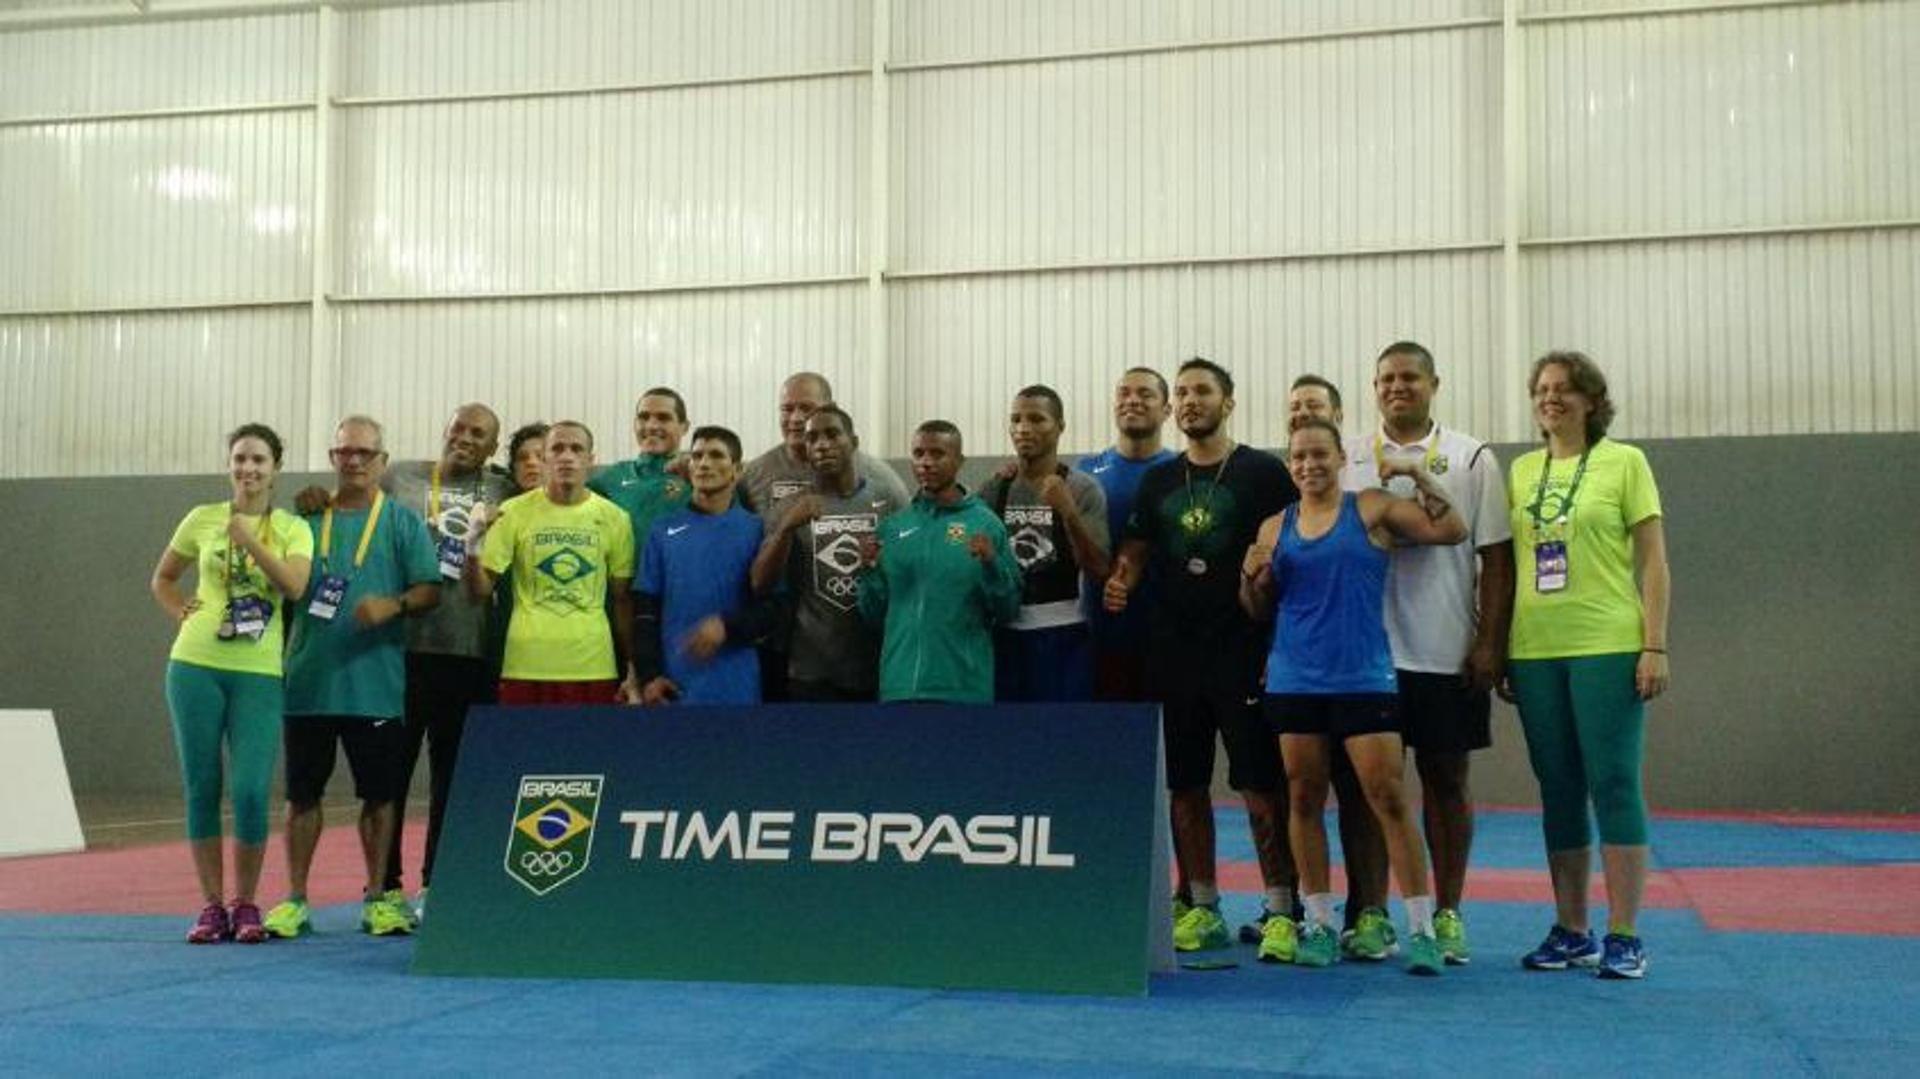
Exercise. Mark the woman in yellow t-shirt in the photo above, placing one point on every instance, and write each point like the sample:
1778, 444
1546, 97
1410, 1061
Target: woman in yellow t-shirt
223, 674
1588, 650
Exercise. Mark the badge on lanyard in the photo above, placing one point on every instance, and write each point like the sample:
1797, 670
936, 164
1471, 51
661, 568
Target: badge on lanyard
246, 616
328, 596
1550, 565
453, 557
1550, 529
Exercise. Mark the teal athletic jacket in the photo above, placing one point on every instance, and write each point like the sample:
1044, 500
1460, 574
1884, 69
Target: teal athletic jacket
939, 604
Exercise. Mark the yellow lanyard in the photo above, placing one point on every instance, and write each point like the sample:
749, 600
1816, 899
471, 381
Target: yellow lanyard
433, 498
1427, 459
237, 556
366, 531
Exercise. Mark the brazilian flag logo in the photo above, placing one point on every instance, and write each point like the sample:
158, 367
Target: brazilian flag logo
552, 835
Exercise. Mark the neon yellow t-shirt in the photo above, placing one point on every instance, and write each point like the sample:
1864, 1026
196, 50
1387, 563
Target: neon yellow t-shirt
1598, 612
227, 572
563, 558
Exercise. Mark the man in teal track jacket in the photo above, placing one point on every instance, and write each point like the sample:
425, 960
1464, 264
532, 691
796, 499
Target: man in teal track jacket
940, 578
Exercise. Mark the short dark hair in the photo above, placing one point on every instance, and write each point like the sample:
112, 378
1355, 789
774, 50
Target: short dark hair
819, 380
1047, 394
1320, 423
1219, 373
716, 433
577, 425
1151, 373
940, 427
522, 435
679, 403
1333, 391
846, 419
1586, 377
1409, 348
262, 432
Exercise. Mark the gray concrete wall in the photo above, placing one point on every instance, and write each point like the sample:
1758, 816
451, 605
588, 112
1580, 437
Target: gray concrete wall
1796, 609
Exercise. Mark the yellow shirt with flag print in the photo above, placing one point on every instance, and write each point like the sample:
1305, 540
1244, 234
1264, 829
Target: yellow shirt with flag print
228, 573
562, 558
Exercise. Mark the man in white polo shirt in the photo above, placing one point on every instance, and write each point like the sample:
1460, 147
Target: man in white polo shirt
1447, 612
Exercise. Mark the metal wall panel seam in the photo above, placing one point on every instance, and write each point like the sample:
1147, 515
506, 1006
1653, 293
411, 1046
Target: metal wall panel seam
1182, 261
323, 354
158, 114
150, 308
906, 67
1730, 233
588, 293
600, 91
1705, 7
189, 11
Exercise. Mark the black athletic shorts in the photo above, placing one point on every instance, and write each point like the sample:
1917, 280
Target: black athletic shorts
1338, 716
376, 754
1443, 714
1209, 692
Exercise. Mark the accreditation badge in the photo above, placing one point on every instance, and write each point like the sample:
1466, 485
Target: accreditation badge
453, 557
245, 616
1550, 566
327, 597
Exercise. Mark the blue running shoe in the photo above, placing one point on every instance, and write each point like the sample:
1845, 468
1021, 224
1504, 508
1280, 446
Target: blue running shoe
1624, 958
1563, 948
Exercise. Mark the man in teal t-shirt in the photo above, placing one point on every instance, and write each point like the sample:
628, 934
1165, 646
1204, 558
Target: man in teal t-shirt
374, 563
643, 485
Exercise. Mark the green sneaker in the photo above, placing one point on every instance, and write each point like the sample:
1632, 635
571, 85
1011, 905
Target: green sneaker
1423, 954
381, 917
288, 920
1200, 929
1279, 939
1371, 938
397, 899
1319, 946
1180, 907
1451, 931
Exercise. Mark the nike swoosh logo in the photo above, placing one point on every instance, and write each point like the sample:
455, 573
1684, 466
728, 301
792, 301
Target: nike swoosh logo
1097, 469
677, 531
907, 533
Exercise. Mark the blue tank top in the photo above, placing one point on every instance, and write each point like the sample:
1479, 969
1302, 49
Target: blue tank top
1329, 637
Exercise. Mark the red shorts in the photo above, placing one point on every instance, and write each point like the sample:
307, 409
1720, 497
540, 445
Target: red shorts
517, 692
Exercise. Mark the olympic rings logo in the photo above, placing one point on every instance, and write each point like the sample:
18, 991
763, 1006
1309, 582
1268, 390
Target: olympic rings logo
546, 863
843, 586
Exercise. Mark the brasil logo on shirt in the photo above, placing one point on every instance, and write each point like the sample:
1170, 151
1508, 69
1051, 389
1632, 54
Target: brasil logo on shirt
551, 839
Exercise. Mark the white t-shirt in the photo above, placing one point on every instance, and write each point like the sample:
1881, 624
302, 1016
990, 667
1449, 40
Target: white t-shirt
1430, 598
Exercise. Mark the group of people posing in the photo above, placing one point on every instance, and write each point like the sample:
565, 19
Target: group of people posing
1317, 612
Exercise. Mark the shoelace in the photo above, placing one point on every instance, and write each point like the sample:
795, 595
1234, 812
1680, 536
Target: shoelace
212, 916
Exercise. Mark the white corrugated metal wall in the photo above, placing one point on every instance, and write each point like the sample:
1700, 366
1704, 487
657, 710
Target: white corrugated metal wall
550, 204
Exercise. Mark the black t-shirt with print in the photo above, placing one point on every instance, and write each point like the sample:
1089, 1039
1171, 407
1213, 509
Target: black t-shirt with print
1197, 522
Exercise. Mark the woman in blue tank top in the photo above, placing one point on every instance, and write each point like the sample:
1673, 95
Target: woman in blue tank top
1318, 569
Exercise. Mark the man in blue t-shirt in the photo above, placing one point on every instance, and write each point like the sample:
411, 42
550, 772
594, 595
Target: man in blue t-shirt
1140, 410
696, 619
374, 564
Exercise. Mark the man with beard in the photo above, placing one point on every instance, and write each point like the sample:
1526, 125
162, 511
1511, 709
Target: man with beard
814, 544
1191, 526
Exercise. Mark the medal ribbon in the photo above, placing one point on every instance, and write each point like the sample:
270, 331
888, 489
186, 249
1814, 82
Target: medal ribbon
1537, 508
237, 556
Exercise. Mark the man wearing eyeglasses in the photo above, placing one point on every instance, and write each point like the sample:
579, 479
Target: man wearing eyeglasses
374, 565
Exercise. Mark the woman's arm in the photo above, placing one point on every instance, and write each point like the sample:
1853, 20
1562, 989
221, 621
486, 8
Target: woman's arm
1256, 571
165, 586
1653, 674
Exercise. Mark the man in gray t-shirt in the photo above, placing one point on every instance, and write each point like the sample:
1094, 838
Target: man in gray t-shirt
815, 546
782, 472
1056, 520
448, 668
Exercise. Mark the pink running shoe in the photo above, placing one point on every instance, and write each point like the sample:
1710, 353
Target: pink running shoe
245, 925
211, 927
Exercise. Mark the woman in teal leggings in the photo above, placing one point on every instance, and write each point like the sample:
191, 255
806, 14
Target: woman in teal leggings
223, 674
1589, 649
